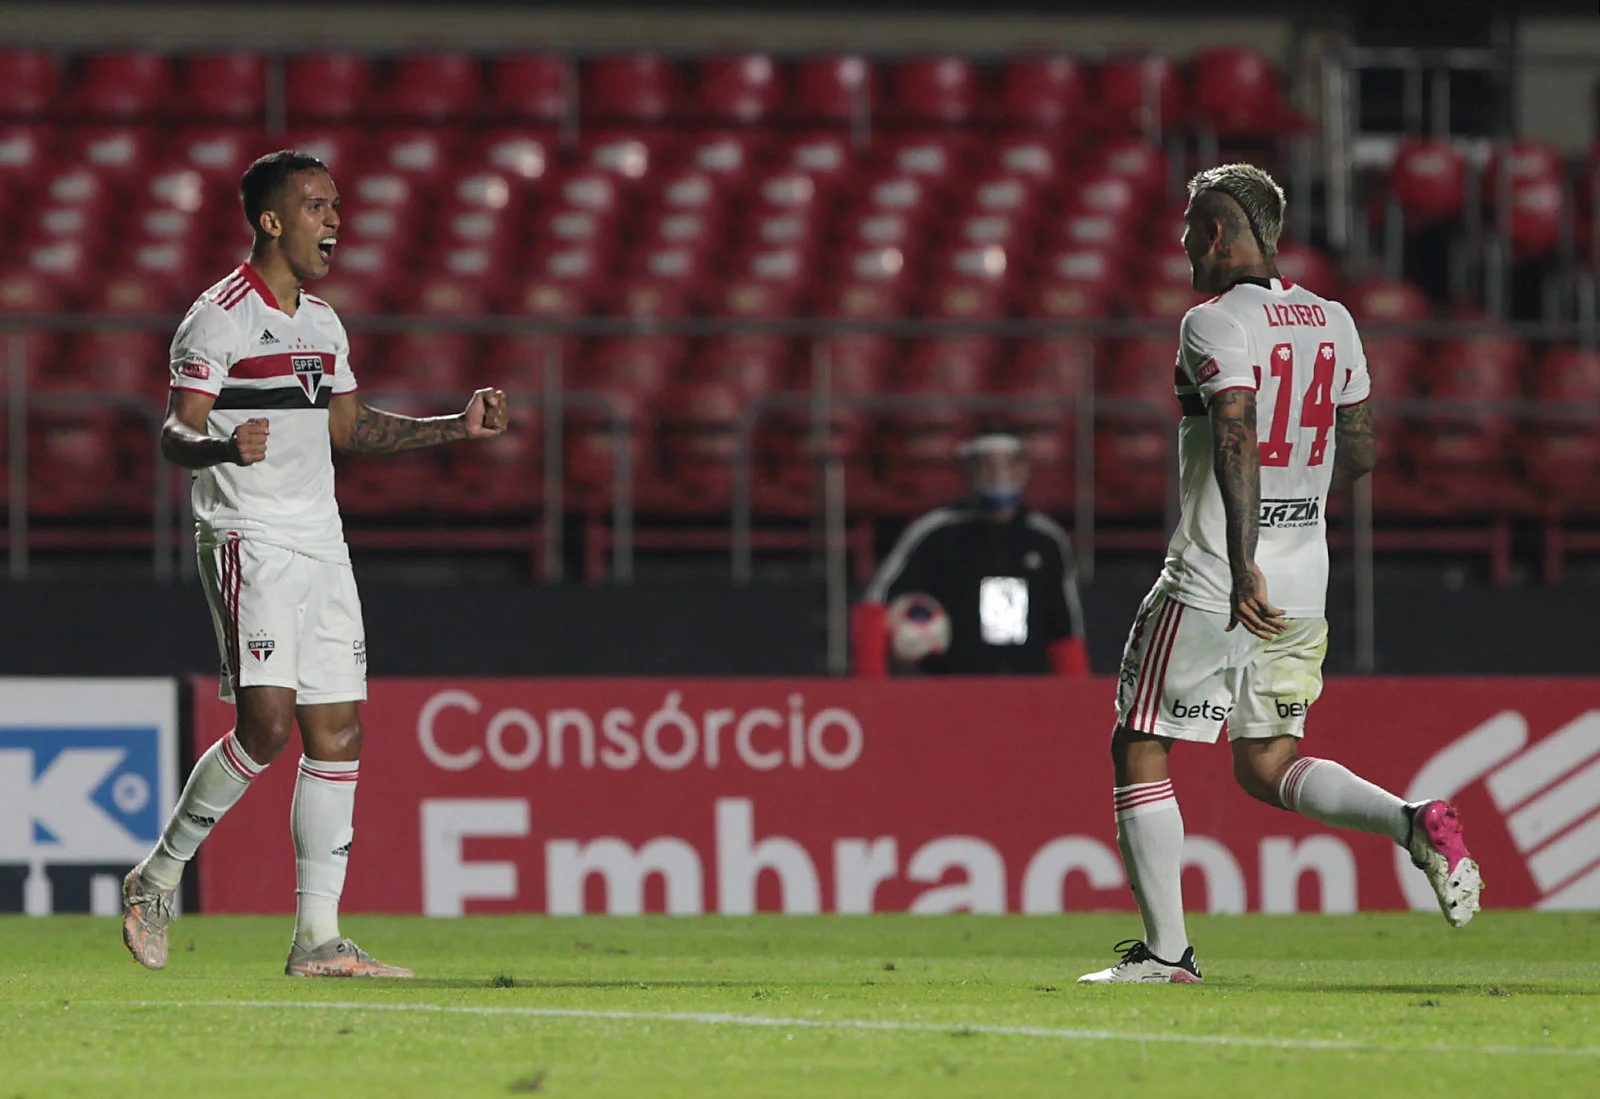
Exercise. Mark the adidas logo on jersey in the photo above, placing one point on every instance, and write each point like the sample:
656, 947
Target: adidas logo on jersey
267, 337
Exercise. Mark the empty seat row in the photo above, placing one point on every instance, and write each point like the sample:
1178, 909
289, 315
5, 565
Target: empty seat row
1225, 89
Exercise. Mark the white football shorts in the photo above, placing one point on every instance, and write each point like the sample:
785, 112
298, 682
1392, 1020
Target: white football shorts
1183, 674
285, 620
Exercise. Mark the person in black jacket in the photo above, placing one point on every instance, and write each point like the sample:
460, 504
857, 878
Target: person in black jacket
1003, 572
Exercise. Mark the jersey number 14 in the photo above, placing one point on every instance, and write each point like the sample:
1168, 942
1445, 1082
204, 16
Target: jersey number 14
1316, 411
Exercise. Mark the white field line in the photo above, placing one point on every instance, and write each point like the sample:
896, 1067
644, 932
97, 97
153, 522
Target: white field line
779, 1022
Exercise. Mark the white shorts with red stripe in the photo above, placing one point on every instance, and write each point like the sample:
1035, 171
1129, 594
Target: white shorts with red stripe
284, 619
1183, 674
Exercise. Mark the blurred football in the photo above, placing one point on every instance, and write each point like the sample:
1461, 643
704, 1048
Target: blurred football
918, 627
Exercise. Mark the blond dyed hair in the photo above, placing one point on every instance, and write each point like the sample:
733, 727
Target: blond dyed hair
1257, 194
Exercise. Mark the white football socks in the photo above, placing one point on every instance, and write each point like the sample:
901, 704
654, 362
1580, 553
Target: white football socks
1323, 790
220, 778
1150, 833
321, 821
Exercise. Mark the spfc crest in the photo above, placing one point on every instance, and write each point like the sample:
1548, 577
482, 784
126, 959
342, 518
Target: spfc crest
308, 372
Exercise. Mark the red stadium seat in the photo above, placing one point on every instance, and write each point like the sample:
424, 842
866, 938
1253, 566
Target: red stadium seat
751, 365
225, 87
132, 294
533, 87
1385, 301
934, 157
634, 88
517, 363
1559, 446
767, 284
436, 362
28, 83
431, 88
1140, 94
424, 152
1056, 365
117, 152
132, 363
70, 455
1308, 267
341, 149
741, 89
832, 89
523, 156
1429, 180
123, 85
498, 475
465, 288
1141, 163
700, 443
220, 153
825, 156
648, 297
1046, 93
328, 87
728, 155
586, 189
1237, 94
478, 210
355, 297
24, 151
933, 90
998, 230
1524, 187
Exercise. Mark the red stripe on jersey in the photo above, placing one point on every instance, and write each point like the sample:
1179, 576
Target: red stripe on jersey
234, 297
253, 278
228, 288
314, 301
280, 365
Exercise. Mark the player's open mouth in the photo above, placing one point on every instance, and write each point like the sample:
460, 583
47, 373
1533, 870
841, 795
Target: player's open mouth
326, 247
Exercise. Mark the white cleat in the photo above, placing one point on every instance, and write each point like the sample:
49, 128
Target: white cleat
1438, 851
1139, 966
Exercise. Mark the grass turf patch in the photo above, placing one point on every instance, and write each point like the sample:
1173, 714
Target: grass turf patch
781, 1006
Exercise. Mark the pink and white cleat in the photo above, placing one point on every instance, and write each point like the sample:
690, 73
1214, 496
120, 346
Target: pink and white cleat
338, 958
1438, 850
146, 914
1139, 966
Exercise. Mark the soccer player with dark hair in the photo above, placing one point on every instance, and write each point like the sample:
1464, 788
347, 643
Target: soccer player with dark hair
261, 393
1234, 630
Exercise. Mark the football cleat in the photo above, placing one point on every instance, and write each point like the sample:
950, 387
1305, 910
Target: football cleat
1438, 850
146, 913
1139, 966
338, 958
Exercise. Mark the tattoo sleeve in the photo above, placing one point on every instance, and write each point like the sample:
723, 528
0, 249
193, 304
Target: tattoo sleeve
376, 432
1236, 460
1355, 448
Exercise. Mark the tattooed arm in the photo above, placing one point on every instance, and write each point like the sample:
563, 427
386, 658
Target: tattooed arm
360, 429
1355, 447
1236, 461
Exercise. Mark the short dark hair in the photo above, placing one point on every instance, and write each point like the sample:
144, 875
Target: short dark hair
263, 183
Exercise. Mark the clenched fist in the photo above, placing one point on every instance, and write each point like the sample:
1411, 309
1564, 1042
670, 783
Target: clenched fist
487, 414
249, 442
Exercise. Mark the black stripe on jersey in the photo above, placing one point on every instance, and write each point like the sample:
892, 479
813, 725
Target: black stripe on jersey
279, 396
1191, 404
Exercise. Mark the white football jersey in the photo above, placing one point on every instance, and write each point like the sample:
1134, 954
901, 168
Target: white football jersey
237, 346
1302, 355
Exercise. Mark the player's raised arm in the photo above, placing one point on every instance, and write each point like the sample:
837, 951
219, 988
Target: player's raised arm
358, 428
1236, 461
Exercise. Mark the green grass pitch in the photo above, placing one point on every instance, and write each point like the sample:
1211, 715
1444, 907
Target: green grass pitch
1393, 1005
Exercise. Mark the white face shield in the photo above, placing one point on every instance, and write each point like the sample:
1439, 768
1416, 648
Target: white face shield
997, 469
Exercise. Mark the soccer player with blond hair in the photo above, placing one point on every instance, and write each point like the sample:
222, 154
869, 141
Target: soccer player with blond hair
1234, 633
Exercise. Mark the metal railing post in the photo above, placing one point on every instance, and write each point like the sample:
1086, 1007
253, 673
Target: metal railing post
621, 497
161, 530
741, 521
17, 459
554, 512
1083, 467
1365, 588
